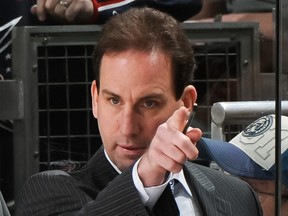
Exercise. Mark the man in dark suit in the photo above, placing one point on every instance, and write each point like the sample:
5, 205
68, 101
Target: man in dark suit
141, 97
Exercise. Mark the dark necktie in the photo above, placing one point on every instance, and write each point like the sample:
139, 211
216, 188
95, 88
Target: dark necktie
183, 199
166, 204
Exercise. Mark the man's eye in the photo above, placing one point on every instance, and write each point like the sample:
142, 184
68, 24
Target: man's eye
149, 103
114, 101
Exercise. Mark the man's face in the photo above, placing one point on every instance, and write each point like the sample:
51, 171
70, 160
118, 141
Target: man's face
136, 95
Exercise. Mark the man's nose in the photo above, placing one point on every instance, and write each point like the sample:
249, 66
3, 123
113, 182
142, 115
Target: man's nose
129, 123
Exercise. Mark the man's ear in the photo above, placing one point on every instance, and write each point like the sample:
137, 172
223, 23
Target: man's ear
94, 94
189, 96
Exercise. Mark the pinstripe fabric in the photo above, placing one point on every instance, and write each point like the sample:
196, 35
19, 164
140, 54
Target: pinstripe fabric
97, 189
219, 194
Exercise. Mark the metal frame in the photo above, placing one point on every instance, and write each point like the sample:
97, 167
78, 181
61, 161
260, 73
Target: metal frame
240, 112
11, 107
24, 49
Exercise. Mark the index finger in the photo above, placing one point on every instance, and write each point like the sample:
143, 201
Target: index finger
178, 119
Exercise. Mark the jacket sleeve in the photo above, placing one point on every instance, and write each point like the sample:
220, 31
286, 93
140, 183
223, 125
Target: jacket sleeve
57, 193
179, 9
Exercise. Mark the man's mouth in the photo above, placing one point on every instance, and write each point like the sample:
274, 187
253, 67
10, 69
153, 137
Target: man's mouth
132, 150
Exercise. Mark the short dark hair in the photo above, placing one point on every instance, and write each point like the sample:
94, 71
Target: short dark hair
145, 29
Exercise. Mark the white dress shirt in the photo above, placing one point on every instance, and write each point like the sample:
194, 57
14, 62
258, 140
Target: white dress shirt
185, 201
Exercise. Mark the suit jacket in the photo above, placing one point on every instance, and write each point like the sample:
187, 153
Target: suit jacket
97, 189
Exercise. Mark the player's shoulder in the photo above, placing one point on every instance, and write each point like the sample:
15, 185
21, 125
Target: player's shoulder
215, 175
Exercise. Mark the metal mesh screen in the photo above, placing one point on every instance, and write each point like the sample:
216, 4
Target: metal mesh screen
217, 78
67, 128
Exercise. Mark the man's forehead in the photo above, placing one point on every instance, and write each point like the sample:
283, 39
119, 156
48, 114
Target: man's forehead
136, 67
153, 54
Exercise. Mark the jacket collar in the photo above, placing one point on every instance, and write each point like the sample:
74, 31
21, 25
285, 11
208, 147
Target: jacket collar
100, 169
204, 190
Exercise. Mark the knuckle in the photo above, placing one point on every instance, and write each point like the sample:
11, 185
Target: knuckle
161, 128
49, 7
194, 154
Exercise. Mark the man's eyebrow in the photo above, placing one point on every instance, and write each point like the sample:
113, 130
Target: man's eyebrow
153, 95
107, 92
145, 97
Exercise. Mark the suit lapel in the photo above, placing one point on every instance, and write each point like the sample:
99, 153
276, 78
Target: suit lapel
100, 169
204, 191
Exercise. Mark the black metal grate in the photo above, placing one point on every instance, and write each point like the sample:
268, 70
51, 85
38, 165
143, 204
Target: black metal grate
217, 78
67, 128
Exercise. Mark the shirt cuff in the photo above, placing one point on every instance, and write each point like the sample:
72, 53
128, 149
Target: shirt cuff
148, 195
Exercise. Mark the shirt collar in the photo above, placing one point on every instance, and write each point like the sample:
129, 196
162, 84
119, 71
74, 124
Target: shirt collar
112, 164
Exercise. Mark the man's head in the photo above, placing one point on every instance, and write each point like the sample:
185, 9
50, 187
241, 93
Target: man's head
143, 63
148, 30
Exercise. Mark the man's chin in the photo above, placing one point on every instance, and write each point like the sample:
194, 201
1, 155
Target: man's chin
126, 163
